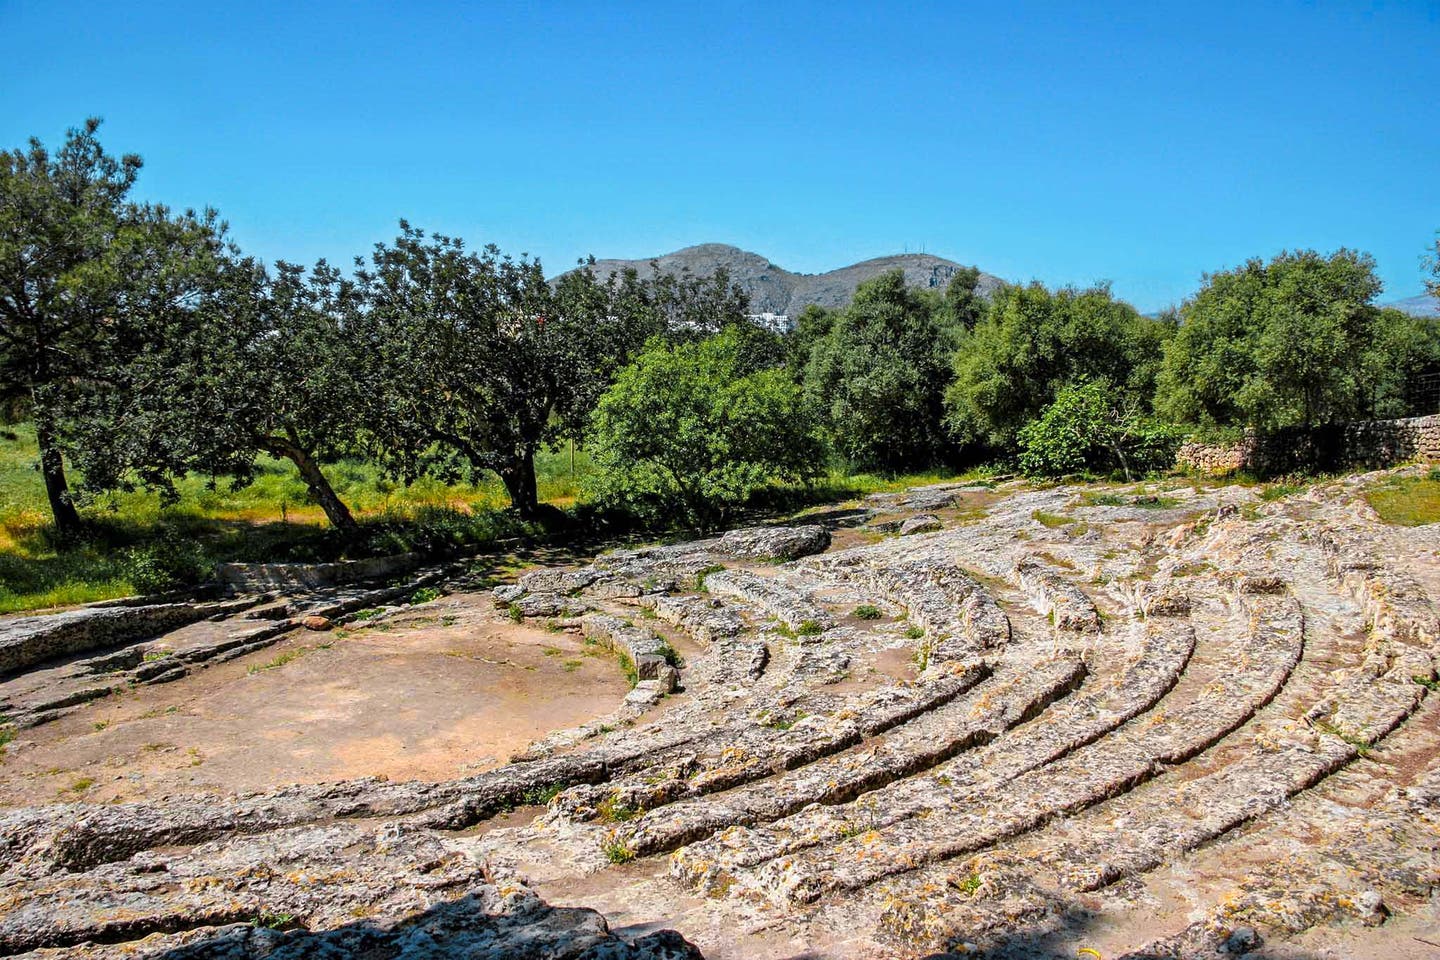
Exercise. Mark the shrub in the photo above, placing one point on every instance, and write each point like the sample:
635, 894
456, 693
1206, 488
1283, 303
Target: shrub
1090, 427
687, 431
167, 563
867, 611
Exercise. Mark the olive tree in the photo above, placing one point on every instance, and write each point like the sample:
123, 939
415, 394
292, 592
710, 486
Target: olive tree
481, 359
877, 377
60, 214
1274, 344
1033, 342
251, 362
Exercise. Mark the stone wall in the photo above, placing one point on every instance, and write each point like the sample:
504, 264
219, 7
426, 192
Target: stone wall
305, 577
1363, 443
26, 641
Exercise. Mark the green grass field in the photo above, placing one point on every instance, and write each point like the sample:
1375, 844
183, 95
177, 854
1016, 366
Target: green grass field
1408, 501
271, 519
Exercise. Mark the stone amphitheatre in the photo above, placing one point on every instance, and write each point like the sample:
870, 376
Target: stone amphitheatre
1172, 719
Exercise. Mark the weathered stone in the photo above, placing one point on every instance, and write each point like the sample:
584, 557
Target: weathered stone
774, 543
924, 523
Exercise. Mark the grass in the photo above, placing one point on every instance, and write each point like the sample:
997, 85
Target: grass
425, 595
867, 611
272, 519
705, 572
1279, 491
289, 656
540, 796
611, 810
1408, 501
617, 851
1051, 521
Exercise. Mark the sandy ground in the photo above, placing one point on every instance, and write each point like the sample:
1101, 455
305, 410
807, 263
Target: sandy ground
432, 693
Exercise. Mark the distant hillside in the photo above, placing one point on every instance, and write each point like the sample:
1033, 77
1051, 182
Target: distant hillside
774, 289
1421, 306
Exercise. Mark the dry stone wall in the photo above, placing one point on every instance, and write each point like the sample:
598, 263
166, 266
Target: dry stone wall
1372, 443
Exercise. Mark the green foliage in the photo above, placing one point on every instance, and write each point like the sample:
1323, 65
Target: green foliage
809, 628
613, 810
90, 283
1402, 348
1094, 427
962, 307
686, 432
1033, 343
425, 595
540, 796
704, 572
877, 378
867, 611
616, 850
166, 563
482, 361
1291, 342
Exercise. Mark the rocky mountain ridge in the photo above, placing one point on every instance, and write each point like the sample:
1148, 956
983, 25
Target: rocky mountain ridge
773, 289
1419, 306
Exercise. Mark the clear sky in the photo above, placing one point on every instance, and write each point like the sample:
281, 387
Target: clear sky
1142, 143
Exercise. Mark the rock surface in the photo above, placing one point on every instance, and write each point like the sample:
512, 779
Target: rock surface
1177, 697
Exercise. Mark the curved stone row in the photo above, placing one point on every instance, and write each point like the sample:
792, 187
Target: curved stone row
320, 878
959, 616
1085, 716
762, 748
1053, 596
1285, 756
1168, 734
772, 597
910, 748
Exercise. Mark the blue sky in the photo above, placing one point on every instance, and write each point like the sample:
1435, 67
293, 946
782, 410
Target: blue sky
1143, 144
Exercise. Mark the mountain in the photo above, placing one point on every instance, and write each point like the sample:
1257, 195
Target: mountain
1421, 306
774, 289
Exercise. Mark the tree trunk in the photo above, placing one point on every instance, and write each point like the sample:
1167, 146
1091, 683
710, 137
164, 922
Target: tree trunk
52, 468
335, 510
519, 478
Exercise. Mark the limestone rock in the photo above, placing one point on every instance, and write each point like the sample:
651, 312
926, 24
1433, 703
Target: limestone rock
924, 523
774, 543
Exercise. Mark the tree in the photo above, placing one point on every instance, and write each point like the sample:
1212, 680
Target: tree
482, 357
1271, 345
1034, 342
878, 376
1093, 426
686, 429
59, 216
1432, 263
811, 327
245, 363
963, 306
1402, 349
